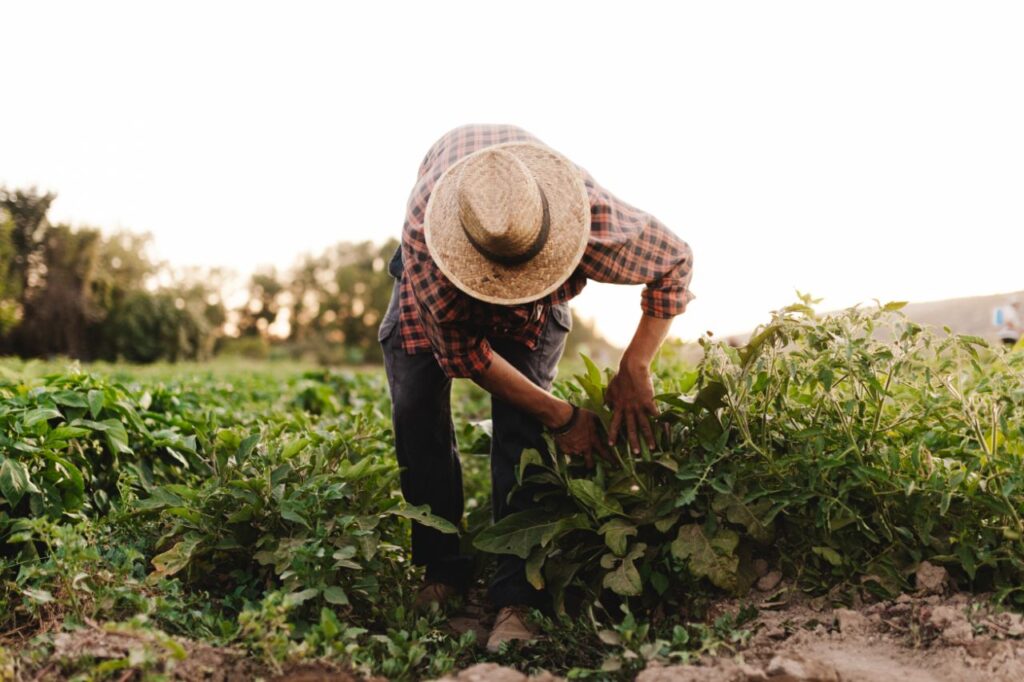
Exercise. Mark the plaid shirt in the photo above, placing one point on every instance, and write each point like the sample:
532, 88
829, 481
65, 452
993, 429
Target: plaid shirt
626, 246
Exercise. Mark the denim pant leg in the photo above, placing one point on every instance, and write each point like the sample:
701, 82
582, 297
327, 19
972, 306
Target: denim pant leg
427, 453
514, 431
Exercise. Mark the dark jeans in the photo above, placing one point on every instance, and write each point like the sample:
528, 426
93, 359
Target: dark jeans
427, 453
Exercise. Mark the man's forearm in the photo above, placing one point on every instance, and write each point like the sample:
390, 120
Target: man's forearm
649, 336
504, 381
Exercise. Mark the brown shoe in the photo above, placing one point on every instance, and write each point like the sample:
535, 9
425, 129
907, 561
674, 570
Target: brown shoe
434, 593
510, 625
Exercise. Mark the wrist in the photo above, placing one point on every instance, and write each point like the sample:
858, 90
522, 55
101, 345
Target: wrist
633, 363
568, 425
557, 414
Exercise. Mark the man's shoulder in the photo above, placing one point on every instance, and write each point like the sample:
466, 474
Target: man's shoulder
466, 139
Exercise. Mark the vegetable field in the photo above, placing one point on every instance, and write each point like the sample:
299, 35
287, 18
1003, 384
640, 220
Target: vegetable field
234, 524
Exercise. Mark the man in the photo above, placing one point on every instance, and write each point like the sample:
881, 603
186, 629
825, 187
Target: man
500, 232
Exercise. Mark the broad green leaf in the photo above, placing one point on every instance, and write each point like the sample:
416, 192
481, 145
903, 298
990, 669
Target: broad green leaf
14, 481
335, 595
520, 532
96, 401
593, 372
294, 447
246, 447
117, 437
712, 396
296, 598
529, 457
67, 433
591, 495
421, 514
829, 555
753, 517
291, 511
177, 557
41, 414
665, 523
709, 557
534, 564
616, 535
69, 399
625, 578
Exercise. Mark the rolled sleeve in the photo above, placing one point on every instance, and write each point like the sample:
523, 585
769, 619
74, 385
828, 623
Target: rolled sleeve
669, 295
630, 246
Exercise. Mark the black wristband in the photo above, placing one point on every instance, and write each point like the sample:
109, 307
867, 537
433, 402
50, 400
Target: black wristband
567, 426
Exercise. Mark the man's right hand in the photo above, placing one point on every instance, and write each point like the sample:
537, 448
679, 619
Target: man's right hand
585, 438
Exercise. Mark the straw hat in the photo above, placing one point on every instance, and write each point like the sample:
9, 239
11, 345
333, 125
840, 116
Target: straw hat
508, 224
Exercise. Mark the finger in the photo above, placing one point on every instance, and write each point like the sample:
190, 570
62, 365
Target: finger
634, 443
648, 432
652, 408
613, 428
603, 450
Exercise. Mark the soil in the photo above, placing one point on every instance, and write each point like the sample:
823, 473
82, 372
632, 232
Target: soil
930, 636
177, 659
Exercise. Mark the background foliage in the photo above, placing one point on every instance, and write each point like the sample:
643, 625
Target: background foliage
82, 293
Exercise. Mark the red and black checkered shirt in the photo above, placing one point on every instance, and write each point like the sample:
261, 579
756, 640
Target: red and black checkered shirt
627, 246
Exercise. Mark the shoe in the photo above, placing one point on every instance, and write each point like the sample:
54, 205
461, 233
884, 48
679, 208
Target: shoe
510, 625
434, 593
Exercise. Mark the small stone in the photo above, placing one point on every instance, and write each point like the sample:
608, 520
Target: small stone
796, 668
1011, 623
769, 581
850, 622
490, 672
951, 624
931, 579
760, 567
753, 674
903, 599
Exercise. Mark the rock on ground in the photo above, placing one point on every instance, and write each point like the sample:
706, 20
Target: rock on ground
492, 672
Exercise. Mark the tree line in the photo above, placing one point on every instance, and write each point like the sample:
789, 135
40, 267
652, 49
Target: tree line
80, 293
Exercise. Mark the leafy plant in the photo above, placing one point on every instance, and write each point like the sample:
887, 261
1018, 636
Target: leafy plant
845, 449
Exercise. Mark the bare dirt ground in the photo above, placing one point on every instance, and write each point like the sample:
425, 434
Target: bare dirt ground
930, 636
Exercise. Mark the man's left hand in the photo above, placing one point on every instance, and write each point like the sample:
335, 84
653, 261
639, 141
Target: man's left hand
630, 395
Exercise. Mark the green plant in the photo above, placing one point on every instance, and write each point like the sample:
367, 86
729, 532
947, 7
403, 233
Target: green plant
846, 449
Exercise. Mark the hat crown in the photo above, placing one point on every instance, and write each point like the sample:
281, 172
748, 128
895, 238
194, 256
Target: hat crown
501, 208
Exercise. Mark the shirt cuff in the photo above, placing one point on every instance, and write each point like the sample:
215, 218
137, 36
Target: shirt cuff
669, 299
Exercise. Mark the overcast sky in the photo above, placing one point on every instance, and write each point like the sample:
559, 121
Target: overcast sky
853, 150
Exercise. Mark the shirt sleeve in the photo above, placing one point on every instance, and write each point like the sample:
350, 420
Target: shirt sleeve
629, 246
460, 348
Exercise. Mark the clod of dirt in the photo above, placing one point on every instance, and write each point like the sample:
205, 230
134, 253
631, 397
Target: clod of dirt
931, 579
1008, 624
850, 622
492, 672
950, 624
769, 581
793, 667
760, 567
723, 670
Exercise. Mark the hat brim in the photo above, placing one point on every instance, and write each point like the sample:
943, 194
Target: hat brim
492, 282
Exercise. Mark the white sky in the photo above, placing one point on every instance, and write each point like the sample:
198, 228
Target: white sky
852, 150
